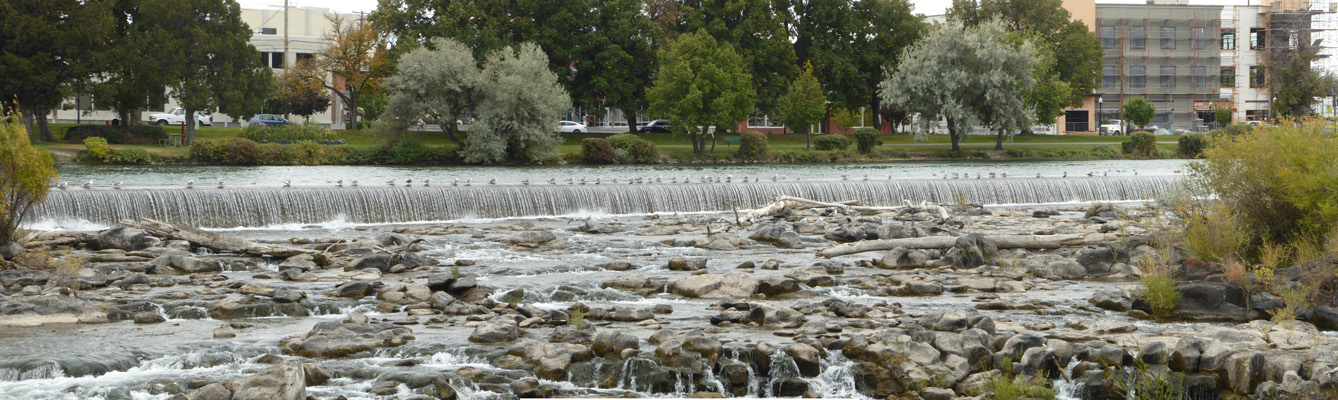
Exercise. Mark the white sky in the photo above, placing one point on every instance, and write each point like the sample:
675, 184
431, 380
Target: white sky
927, 7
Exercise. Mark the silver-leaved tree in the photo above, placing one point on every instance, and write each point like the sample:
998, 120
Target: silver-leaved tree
518, 113
968, 76
435, 85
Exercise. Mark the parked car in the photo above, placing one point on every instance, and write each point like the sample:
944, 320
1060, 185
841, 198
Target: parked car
270, 119
177, 117
656, 126
1113, 127
571, 127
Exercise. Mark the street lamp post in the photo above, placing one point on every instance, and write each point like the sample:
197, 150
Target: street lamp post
1099, 102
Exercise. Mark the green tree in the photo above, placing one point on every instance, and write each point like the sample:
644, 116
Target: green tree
1222, 115
756, 30
803, 104
46, 47
968, 76
436, 85
519, 109
300, 94
25, 173
135, 79
1139, 111
356, 58
1294, 84
619, 64
701, 83
480, 24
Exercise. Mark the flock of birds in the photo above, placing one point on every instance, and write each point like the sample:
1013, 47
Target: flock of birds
409, 182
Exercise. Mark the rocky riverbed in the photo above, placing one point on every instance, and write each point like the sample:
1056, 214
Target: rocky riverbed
677, 305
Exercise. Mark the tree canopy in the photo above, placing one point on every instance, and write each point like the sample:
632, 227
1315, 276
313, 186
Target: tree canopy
356, 57
968, 76
25, 175
46, 47
1139, 111
517, 114
1294, 83
435, 84
701, 83
301, 90
803, 103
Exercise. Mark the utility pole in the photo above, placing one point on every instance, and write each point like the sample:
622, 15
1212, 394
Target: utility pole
285, 35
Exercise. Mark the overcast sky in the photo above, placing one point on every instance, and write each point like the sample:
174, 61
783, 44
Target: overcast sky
927, 7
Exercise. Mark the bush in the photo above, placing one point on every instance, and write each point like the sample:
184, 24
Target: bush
753, 146
27, 171
1192, 145
1214, 232
634, 149
122, 134
1141, 144
292, 133
1279, 180
597, 151
831, 142
275, 154
98, 148
866, 139
132, 156
237, 151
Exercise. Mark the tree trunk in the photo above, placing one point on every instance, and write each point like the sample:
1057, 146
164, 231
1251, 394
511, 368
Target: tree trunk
877, 112
189, 122
26, 118
353, 108
136, 117
808, 138
692, 136
449, 127
998, 142
631, 121
42, 127
952, 132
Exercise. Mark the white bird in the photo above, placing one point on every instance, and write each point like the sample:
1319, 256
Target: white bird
339, 183
991, 174
775, 178
552, 181
1091, 174
729, 178
88, 185
287, 183
190, 184
469, 181
1038, 174
391, 182
1066, 174
408, 180
1005, 175
492, 181
845, 177
455, 182
658, 179
615, 181
866, 177
427, 181
571, 181
639, 180
61, 185
525, 182
354, 183
583, 180
1107, 173
598, 180
117, 185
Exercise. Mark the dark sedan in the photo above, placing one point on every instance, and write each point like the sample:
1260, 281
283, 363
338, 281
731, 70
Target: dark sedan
656, 126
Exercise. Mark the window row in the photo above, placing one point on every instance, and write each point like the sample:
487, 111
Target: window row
1137, 76
1138, 35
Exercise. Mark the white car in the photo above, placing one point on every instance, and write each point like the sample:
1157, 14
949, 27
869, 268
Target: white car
1113, 127
571, 127
177, 117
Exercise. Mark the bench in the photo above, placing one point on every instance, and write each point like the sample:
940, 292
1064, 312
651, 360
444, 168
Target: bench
734, 140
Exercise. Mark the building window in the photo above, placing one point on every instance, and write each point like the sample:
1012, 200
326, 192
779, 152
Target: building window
1256, 77
1293, 39
269, 31
1108, 37
1168, 76
1108, 76
1228, 77
304, 57
760, 120
1228, 40
1138, 38
1198, 74
1168, 38
1197, 37
276, 60
1257, 36
1138, 76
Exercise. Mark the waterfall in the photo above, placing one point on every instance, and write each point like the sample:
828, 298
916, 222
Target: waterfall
258, 207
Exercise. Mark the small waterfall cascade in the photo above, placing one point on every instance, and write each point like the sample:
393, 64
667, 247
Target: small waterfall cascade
258, 207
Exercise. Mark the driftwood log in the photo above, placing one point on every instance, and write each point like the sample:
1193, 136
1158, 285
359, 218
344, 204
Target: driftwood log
215, 242
783, 202
946, 242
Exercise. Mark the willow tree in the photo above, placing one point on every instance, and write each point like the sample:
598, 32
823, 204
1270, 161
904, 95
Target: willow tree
701, 84
518, 113
435, 84
25, 173
969, 77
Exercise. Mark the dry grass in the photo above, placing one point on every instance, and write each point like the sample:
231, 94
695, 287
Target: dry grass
1307, 249
1214, 232
1159, 286
1274, 255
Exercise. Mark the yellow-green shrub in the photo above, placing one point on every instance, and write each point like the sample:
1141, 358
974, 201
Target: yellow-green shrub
25, 175
1215, 233
98, 148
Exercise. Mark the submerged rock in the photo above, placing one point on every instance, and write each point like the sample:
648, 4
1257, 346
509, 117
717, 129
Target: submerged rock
713, 286
496, 330
338, 339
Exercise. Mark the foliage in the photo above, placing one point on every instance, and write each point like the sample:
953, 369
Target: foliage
25, 173
132, 156
262, 133
516, 115
1003, 385
356, 52
701, 83
1279, 180
633, 149
968, 76
1139, 111
596, 151
576, 317
1159, 286
134, 134
1294, 84
1192, 145
866, 139
1222, 115
803, 104
1142, 144
300, 94
1146, 383
813, 156
435, 85
753, 146
831, 142
98, 148
48, 46
1213, 232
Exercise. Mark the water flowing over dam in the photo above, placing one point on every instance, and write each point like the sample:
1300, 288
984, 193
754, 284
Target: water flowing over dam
256, 207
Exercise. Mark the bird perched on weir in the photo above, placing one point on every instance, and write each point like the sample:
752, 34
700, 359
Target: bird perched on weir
190, 184
845, 177
339, 183
492, 181
88, 185
408, 181
598, 180
117, 185
427, 181
287, 183
61, 185
220, 184
582, 180
455, 181
525, 182
552, 181
390, 182
1091, 174
1066, 174
469, 181
354, 183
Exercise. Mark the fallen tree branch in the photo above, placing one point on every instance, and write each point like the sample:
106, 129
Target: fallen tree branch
946, 242
215, 242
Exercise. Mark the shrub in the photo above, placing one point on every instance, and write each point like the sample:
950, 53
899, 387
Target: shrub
1192, 145
98, 148
1158, 286
753, 146
132, 156
1278, 180
634, 149
204, 150
25, 173
597, 151
1005, 386
276, 154
866, 139
121, 134
292, 133
831, 142
1214, 233
239, 151
1141, 144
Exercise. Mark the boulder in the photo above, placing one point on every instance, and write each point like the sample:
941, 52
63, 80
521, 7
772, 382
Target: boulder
552, 359
611, 343
807, 358
687, 264
286, 381
129, 239
337, 339
381, 262
1113, 299
213, 391
356, 290
778, 235
532, 239
47, 309
177, 262
972, 250
495, 330
9, 250
902, 257
715, 286
775, 285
